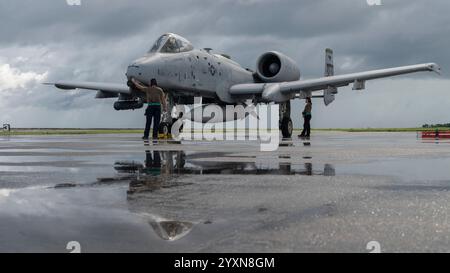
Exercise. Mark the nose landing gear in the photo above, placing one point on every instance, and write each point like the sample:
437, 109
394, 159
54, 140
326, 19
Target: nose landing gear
164, 130
167, 120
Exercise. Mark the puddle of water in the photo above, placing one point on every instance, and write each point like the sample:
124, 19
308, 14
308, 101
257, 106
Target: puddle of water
166, 162
406, 169
187, 201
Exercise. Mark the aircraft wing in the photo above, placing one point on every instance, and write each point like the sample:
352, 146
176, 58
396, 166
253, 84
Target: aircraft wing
105, 89
280, 92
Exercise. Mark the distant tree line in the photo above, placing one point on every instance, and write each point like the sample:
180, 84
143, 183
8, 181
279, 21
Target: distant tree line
436, 125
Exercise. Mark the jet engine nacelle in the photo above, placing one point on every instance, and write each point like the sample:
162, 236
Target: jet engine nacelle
276, 67
128, 105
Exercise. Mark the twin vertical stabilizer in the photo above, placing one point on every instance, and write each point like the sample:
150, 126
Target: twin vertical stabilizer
328, 94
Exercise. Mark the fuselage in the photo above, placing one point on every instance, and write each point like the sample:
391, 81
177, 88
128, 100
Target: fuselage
195, 72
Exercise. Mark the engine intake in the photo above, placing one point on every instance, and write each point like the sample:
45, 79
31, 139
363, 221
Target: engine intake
276, 67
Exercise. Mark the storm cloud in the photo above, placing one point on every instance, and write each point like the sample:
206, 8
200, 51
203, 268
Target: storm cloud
48, 40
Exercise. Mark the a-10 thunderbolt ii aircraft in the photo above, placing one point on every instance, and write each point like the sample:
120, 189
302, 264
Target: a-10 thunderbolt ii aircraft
185, 72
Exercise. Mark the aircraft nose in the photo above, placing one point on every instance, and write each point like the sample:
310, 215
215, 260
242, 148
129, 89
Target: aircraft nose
133, 71
143, 68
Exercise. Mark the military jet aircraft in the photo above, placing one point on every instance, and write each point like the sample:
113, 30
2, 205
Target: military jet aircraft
185, 72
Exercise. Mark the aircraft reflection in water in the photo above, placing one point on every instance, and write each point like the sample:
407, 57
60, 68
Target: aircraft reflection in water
160, 171
166, 163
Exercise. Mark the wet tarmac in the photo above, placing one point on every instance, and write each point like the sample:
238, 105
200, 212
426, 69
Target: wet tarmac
115, 194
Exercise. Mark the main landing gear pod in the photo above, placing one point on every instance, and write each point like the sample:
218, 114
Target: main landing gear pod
286, 125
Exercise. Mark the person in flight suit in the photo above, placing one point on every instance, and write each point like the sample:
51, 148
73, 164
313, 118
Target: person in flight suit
155, 100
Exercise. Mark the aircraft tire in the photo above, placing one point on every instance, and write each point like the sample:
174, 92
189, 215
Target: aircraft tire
164, 128
287, 127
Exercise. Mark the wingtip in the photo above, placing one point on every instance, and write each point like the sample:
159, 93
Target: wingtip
436, 68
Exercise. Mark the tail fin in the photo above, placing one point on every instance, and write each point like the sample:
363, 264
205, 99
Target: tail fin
328, 94
329, 66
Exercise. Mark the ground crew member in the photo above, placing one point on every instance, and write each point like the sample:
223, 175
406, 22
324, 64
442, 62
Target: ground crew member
155, 99
306, 133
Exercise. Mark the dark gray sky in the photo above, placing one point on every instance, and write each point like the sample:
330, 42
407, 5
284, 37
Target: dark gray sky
48, 40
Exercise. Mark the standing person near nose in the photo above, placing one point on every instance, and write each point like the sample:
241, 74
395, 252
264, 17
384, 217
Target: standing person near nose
155, 99
306, 133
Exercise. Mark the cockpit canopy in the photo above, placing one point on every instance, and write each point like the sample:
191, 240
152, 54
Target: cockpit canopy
171, 43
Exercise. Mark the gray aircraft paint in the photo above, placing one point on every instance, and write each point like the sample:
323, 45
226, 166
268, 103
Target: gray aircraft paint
199, 72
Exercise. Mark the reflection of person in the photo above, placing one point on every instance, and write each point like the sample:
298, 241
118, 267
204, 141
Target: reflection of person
309, 169
151, 178
152, 164
155, 98
306, 133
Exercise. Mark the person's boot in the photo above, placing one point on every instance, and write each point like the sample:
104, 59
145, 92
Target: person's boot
155, 139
